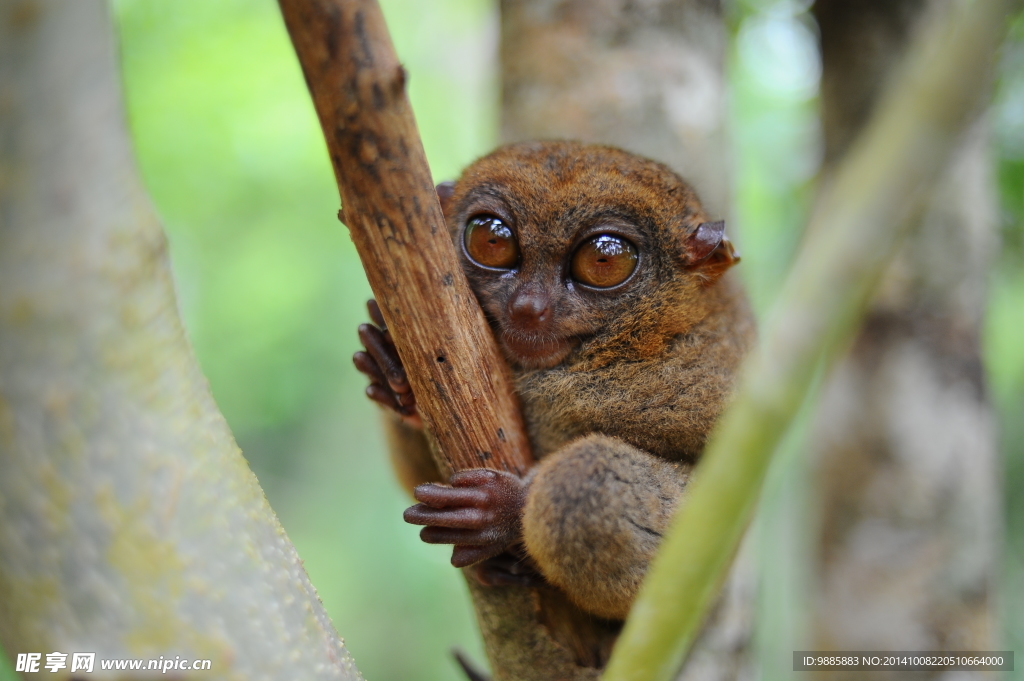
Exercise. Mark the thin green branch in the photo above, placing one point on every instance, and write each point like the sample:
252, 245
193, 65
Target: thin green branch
857, 227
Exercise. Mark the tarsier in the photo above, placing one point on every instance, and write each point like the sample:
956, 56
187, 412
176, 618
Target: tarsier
602, 278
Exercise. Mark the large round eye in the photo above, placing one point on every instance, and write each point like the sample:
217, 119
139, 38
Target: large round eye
489, 242
604, 261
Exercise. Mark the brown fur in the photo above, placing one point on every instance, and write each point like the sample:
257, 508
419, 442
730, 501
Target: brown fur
618, 422
594, 517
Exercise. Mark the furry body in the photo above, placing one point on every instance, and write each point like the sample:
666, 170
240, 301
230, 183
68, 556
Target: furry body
620, 385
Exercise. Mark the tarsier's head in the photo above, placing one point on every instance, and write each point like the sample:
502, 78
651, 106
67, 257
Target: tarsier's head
575, 250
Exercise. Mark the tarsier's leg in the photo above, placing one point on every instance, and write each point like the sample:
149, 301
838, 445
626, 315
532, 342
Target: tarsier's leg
595, 513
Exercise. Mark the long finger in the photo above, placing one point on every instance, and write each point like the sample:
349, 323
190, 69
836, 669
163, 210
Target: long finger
375, 314
474, 477
448, 535
438, 496
458, 518
387, 359
406, 399
378, 318
368, 365
382, 396
403, 402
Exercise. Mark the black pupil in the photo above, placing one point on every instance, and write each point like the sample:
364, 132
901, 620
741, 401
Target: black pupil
490, 242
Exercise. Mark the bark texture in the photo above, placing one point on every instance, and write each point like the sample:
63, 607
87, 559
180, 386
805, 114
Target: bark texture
647, 77
905, 442
462, 384
130, 524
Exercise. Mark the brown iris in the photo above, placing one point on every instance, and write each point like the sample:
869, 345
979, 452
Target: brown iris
489, 242
604, 261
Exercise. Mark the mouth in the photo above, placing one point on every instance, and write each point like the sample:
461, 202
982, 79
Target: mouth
535, 351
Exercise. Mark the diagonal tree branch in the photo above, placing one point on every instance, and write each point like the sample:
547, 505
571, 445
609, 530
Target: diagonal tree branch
462, 384
854, 231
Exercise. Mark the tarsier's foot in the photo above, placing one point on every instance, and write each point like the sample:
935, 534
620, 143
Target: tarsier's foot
389, 386
480, 513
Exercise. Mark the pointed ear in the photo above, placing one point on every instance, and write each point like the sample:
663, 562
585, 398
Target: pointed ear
445, 191
709, 252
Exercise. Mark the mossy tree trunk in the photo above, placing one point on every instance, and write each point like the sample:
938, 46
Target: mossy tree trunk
130, 524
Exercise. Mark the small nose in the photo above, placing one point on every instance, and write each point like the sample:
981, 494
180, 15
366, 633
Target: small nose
530, 308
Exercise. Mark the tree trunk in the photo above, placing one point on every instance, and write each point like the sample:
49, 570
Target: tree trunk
649, 78
904, 444
130, 524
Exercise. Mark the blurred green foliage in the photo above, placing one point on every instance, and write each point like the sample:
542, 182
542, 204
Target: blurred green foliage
271, 288
1004, 332
773, 70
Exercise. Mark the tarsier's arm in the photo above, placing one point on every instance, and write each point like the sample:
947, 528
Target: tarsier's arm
589, 516
487, 522
594, 516
479, 510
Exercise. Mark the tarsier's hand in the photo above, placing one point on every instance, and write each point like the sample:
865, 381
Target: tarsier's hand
389, 385
480, 513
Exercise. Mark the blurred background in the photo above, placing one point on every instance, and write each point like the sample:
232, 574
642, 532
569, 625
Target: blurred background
271, 289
